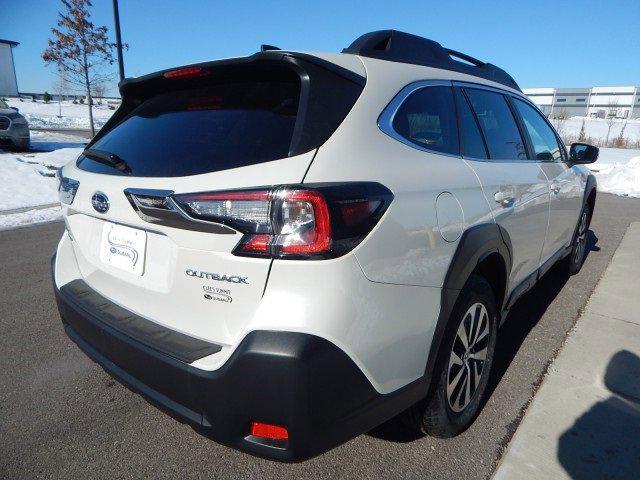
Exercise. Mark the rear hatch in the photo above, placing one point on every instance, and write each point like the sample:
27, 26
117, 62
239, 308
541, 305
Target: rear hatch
235, 124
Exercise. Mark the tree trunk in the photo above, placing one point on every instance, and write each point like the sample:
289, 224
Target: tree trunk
90, 105
89, 99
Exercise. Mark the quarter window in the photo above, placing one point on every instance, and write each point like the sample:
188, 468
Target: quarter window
427, 118
545, 142
498, 125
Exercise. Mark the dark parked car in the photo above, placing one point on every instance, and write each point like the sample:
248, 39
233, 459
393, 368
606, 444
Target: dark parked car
14, 129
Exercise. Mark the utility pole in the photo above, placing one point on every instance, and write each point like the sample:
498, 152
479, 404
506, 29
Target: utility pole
116, 20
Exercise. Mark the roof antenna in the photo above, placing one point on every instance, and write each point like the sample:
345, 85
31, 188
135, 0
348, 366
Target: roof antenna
264, 47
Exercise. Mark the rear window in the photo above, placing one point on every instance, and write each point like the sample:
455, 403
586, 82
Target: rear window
190, 132
240, 113
427, 118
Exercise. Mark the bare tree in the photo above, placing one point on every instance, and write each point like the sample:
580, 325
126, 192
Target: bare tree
61, 88
611, 119
98, 92
582, 136
620, 141
80, 49
560, 120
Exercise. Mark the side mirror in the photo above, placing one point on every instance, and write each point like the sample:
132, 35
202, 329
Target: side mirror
581, 153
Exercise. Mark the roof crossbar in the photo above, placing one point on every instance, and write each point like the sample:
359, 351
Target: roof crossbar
396, 46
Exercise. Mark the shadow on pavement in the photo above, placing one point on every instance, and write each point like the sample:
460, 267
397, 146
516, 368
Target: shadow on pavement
522, 317
604, 442
50, 146
526, 313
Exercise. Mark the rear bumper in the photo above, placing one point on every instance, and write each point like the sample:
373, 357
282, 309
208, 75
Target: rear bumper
299, 381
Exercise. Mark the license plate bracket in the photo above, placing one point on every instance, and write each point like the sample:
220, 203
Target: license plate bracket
123, 247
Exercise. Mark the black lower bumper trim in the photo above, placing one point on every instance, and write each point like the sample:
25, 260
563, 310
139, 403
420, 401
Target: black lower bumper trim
295, 380
176, 344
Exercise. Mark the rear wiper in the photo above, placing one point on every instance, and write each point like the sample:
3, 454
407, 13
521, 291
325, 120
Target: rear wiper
107, 158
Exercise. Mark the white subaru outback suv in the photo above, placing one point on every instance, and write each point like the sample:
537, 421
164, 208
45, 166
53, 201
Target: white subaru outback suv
286, 250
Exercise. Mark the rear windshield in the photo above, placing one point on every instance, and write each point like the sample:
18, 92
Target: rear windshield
197, 131
238, 114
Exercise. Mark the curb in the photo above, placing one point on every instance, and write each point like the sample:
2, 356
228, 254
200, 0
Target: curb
27, 209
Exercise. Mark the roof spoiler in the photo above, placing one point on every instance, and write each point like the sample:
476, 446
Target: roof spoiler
403, 47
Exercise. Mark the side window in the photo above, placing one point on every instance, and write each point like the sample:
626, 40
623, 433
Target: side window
498, 125
427, 118
471, 142
545, 142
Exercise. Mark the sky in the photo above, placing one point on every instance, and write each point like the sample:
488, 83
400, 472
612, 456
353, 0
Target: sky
549, 43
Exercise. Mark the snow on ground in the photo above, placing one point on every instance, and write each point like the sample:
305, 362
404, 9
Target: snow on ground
618, 171
28, 179
45, 115
596, 128
30, 217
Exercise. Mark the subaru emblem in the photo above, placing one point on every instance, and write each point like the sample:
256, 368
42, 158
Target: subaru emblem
100, 202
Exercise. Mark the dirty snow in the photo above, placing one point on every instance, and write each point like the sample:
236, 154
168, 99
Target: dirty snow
45, 115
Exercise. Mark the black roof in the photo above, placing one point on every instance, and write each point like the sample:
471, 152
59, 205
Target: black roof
396, 46
9, 42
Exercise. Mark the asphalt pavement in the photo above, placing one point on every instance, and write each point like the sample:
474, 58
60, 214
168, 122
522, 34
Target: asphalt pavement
61, 416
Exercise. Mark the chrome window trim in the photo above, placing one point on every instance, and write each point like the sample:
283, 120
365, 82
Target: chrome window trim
385, 120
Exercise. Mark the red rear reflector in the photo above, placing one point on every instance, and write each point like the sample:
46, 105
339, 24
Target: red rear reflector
188, 72
257, 243
357, 211
265, 430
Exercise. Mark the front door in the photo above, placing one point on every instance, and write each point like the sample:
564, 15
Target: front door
515, 186
565, 186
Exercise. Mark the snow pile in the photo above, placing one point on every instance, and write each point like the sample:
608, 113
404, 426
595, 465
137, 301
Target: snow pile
28, 179
45, 115
30, 217
620, 178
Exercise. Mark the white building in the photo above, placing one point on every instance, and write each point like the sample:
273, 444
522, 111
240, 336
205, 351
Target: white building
602, 102
8, 79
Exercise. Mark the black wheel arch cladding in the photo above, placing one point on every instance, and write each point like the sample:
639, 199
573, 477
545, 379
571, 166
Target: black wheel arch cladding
476, 244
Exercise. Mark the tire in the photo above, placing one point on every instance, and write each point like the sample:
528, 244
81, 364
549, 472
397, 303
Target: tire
447, 410
575, 260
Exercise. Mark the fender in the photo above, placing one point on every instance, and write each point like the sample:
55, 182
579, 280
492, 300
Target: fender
476, 244
592, 185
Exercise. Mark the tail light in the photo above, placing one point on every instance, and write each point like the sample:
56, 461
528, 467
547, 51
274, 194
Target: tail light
315, 221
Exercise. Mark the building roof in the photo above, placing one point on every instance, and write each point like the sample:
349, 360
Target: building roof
10, 42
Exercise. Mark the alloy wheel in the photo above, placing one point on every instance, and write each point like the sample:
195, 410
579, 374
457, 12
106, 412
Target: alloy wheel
581, 238
468, 357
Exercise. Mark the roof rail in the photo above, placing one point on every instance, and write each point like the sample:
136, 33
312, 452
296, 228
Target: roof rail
403, 47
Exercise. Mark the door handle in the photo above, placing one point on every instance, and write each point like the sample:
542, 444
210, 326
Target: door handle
555, 188
506, 198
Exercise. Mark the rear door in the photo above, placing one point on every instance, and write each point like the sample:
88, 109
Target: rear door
565, 187
222, 129
515, 187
